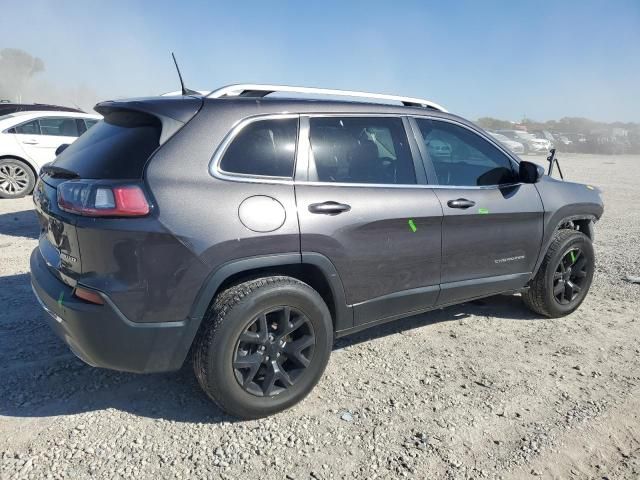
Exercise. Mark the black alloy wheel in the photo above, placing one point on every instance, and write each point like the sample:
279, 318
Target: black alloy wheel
273, 351
564, 277
570, 276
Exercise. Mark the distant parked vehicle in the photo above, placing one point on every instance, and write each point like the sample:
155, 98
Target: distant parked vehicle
514, 146
6, 108
28, 140
546, 135
562, 139
531, 143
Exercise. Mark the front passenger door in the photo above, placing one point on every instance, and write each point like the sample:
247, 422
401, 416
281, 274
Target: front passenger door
492, 226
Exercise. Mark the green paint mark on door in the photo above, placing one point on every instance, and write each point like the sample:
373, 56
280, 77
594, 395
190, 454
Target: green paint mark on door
483, 211
412, 225
60, 297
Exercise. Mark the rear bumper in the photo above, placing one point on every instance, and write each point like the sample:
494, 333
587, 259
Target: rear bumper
101, 336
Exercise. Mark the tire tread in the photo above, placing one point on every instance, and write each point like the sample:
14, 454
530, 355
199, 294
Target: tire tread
215, 317
534, 297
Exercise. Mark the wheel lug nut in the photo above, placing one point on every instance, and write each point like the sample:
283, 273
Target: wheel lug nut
267, 358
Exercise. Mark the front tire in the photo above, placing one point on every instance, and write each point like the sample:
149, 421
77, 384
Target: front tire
264, 346
16, 178
564, 278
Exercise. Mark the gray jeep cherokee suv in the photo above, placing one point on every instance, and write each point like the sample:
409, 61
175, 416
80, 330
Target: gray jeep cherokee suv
246, 232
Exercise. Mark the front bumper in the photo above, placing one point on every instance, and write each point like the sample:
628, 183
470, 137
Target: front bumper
101, 336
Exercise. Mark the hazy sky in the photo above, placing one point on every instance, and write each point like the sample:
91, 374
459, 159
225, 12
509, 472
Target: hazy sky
542, 59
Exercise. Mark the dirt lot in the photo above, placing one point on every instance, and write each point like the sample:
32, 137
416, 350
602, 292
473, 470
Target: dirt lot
481, 390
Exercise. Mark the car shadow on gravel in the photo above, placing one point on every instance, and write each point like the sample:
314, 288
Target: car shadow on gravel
507, 307
41, 378
19, 224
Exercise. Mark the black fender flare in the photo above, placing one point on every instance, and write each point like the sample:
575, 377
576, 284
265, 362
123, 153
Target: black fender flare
558, 222
218, 277
343, 312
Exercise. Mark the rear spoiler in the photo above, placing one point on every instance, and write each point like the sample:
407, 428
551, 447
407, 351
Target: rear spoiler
173, 113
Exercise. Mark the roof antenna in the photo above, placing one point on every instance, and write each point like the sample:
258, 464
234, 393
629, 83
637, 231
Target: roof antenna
185, 90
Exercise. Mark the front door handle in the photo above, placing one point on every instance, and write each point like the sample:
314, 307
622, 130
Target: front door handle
461, 203
329, 208
30, 142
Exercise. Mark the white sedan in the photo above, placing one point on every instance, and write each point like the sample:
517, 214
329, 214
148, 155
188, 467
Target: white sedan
28, 140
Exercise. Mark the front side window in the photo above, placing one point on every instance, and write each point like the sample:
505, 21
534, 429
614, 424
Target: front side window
264, 147
29, 128
360, 150
463, 158
59, 127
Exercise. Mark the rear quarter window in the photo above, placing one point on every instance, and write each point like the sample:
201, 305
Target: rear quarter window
117, 147
263, 148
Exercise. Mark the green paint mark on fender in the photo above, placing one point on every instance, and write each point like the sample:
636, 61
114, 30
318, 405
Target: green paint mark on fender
60, 297
412, 225
483, 211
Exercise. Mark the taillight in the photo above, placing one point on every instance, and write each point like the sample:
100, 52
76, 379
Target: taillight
100, 198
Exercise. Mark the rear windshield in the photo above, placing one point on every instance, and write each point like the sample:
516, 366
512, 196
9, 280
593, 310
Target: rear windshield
116, 148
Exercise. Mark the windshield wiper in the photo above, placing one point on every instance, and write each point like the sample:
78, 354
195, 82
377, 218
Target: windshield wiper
59, 172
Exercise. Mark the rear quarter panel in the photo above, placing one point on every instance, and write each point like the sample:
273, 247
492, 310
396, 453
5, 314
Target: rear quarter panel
201, 210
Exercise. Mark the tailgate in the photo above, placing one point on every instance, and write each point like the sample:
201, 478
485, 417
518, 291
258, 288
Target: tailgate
58, 242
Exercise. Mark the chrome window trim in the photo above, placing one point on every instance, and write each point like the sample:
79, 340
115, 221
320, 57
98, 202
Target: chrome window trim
394, 185
216, 172
214, 163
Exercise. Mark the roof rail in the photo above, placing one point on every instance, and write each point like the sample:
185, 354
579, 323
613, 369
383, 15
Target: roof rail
257, 90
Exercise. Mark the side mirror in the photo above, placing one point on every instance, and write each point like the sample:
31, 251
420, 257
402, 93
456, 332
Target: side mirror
530, 172
61, 148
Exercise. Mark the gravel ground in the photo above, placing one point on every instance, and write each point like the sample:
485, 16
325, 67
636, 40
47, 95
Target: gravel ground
480, 390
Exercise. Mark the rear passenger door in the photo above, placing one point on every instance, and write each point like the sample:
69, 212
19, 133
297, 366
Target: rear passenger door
492, 226
363, 203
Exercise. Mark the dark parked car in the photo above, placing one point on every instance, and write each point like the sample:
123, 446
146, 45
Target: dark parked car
7, 108
247, 232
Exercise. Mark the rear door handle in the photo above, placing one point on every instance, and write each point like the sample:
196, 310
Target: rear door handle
461, 203
30, 142
329, 208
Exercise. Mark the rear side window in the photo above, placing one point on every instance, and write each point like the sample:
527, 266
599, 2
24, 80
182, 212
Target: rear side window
29, 128
463, 158
59, 127
264, 148
116, 148
360, 150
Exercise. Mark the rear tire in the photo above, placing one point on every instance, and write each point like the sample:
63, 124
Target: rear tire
264, 346
16, 178
564, 278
